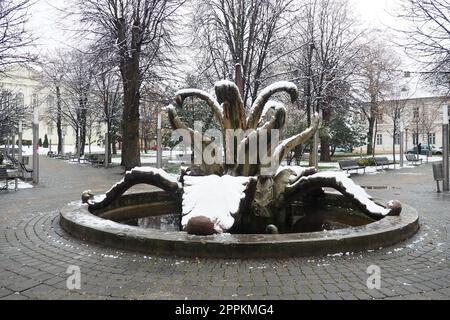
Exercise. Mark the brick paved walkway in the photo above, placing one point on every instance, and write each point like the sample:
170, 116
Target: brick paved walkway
35, 252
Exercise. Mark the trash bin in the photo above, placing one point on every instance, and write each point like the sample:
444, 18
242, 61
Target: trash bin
438, 173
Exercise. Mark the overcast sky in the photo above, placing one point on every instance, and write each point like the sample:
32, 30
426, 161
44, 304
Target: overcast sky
49, 24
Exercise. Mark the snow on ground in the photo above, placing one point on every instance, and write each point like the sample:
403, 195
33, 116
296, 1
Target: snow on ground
20, 185
334, 166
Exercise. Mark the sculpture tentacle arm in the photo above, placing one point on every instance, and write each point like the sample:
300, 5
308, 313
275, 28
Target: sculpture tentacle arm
215, 107
287, 145
155, 177
176, 124
264, 96
342, 183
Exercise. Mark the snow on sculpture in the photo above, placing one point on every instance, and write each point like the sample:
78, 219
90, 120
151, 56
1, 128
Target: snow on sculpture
240, 195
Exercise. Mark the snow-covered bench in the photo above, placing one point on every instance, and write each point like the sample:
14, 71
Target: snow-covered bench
347, 165
383, 161
413, 159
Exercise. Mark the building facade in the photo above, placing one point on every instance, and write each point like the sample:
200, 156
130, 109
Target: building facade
416, 111
26, 85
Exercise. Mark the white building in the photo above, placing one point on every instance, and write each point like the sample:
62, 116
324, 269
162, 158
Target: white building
421, 116
26, 84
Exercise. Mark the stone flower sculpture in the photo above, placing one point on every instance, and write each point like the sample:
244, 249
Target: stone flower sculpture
244, 193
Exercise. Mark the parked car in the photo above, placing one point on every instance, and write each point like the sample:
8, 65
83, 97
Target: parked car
426, 149
436, 150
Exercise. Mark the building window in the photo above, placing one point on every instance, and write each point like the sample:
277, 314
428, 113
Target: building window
34, 101
50, 129
380, 117
397, 138
20, 100
50, 103
432, 138
379, 139
416, 113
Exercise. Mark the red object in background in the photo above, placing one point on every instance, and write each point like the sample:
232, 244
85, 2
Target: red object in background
154, 148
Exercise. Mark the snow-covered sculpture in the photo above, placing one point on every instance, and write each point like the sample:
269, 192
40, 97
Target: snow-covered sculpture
242, 195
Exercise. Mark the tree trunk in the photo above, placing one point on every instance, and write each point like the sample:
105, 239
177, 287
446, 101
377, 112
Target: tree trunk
59, 119
393, 144
114, 146
370, 136
375, 137
130, 125
325, 140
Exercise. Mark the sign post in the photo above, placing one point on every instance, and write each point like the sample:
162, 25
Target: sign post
402, 149
107, 146
20, 140
158, 142
445, 142
36, 146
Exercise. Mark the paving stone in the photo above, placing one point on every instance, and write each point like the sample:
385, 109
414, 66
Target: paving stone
35, 252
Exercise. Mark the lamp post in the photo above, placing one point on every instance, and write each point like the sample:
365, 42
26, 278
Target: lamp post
107, 145
35, 146
79, 143
445, 142
402, 151
158, 142
13, 145
20, 140
7, 144
63, 138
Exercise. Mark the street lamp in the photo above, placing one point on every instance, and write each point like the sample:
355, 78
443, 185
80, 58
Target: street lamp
402, 129
107, 145
35, 174
63, 138
445, 138
158, 142
20, 140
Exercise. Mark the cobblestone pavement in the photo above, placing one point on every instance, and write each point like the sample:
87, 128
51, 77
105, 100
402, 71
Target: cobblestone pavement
35, 252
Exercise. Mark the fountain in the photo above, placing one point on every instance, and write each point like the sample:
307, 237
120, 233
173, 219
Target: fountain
240, 201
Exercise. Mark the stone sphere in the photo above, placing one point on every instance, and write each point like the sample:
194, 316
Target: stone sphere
200, 226
86, 196
395, 206
272, 229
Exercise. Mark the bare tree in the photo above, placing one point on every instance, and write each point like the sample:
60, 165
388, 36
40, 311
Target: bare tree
326, 64
375, 72
139, 33
108, 100
251, 33
53, 73
12, 109
427, 35
14, 38
395, 109
77, 84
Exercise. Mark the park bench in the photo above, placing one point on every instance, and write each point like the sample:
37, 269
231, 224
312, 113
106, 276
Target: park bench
4, 177
66, 156
348, 165
383, 161
413, 159
24, 171
95, 159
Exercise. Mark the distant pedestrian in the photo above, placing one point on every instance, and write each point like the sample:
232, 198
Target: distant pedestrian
419, 148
